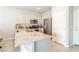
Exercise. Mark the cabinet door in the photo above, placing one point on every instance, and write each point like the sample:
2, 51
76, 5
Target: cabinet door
39, 19
27, 19
20, 18
32, 17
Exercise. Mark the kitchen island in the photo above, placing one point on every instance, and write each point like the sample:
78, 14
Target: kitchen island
33, 41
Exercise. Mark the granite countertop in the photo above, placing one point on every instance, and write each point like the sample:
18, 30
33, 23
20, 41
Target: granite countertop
22, 37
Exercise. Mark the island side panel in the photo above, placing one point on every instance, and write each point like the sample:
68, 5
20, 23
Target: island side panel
43, 45
27, 47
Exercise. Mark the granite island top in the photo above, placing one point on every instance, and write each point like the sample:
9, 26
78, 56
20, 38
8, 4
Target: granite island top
23, 37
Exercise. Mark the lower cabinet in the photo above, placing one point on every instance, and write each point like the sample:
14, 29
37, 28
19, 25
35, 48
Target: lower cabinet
37, 46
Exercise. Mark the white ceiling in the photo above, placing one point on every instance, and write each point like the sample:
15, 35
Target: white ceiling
34, 8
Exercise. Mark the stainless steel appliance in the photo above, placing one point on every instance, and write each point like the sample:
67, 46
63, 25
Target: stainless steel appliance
34, 21
48, 26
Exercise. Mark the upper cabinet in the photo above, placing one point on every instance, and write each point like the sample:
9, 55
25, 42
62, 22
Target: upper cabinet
20, 18
32, 17
27, 19
23, 18
39, 19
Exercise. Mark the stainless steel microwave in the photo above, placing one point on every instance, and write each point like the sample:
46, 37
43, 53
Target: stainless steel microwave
34, 21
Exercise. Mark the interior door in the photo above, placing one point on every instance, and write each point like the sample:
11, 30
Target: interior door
76, 26
76, 34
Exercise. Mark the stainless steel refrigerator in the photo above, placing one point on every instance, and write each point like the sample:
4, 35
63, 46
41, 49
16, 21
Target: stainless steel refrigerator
48, 26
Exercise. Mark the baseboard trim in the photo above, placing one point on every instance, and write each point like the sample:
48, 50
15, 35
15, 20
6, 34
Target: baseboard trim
62, 44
